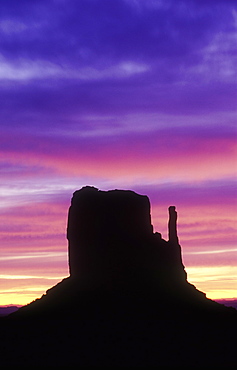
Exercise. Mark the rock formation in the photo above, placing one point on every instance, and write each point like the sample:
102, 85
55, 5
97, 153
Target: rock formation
112, 244
101, 225
127, 302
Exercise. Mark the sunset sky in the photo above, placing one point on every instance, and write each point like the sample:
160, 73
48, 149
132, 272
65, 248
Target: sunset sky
128, 94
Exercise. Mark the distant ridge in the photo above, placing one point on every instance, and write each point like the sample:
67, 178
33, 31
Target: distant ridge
6, 310
228, 302
127, 301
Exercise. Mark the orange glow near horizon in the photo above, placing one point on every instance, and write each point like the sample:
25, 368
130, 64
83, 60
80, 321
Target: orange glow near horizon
218, 282
213, 280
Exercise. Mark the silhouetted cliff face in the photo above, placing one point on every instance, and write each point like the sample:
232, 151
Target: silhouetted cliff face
112, 244
99, 225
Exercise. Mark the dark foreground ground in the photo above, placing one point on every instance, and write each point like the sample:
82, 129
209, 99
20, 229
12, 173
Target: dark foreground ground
119, 329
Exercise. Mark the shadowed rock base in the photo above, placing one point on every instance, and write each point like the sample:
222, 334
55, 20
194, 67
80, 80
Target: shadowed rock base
127, 302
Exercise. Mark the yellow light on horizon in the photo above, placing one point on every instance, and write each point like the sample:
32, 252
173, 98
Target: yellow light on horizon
217, 282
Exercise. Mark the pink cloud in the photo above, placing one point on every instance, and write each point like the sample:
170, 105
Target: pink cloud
178, 154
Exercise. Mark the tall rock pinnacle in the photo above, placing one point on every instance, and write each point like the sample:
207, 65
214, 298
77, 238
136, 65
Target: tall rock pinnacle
172, 225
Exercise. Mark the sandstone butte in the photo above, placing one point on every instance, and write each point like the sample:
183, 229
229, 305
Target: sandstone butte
127, 301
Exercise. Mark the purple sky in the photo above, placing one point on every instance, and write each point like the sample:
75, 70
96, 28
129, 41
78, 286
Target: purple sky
137, 94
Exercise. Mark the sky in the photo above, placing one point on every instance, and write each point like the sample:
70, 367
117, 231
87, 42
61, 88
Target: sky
127, 94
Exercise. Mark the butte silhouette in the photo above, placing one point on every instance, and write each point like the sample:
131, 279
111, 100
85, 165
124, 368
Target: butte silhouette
127, 301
